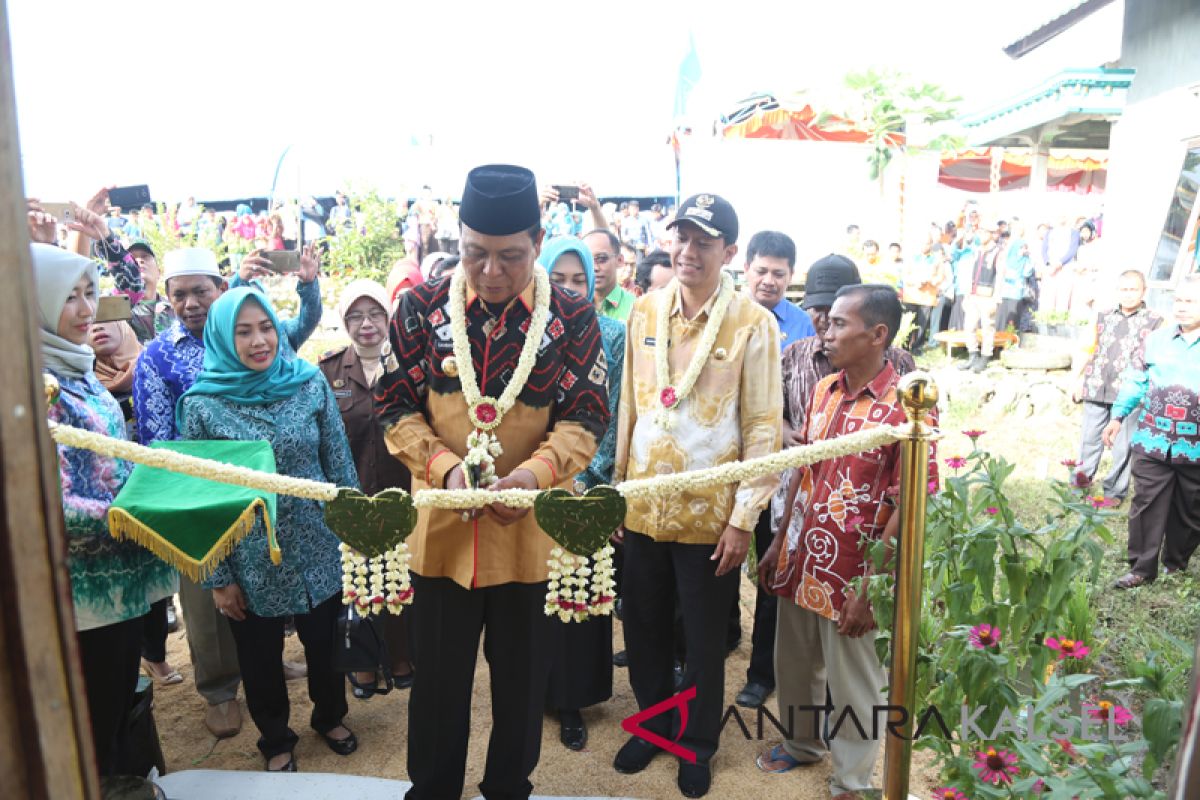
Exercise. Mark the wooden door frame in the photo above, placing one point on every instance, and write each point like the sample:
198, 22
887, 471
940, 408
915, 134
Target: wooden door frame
45, 737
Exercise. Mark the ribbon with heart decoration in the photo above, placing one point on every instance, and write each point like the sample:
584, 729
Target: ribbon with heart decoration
581, 567
375, 556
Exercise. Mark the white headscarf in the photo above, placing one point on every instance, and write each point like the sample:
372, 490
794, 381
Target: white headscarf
55, 273
355, 290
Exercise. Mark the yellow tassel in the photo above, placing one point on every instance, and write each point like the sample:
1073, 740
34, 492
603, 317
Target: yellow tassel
123, 526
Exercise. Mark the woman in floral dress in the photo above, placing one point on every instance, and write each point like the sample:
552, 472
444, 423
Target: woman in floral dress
249, 391
113, 583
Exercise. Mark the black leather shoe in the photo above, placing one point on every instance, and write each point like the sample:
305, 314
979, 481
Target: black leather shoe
404, 681
694, 779
343, 747
634, 756
620, 659
573, 731
752, 695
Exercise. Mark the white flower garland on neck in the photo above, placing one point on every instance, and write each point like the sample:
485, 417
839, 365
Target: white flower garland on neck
486, 413
671, 395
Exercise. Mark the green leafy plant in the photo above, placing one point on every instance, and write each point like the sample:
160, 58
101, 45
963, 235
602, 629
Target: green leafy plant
1008, 637
371, 245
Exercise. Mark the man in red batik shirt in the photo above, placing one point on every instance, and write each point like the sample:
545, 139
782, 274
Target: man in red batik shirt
826, 633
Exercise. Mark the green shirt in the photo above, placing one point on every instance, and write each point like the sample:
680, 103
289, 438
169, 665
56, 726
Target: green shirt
617, 305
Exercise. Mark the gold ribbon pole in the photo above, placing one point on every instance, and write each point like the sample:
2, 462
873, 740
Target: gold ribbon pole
918, 395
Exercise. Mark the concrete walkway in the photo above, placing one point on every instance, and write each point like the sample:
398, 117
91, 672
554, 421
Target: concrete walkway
215, 784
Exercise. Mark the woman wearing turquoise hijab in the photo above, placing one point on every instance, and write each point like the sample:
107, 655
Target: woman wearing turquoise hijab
247, 391
581, 672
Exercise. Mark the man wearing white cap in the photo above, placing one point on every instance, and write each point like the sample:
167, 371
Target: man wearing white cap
165, 370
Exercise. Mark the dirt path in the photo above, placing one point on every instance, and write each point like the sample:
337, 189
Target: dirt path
381, 725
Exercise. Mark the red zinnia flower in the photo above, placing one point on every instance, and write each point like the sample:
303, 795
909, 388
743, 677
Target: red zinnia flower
1067, 648
1080, 480
956, 462
667, 397
983, 636
1067, 747
973, 434
1069, 463
996, 766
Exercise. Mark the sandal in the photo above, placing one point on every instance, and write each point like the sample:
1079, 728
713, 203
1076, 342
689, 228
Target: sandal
1132, 580
289, 765
777, 753
170, 679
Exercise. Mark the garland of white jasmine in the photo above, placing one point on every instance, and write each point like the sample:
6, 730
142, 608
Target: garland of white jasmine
451, 499
671, 395
371, 585
486, 413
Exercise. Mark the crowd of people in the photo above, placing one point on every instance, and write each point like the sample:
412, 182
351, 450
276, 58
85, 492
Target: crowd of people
980, 274
599, 353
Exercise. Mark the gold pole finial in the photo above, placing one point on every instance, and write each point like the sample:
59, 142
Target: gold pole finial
53, 390
918, 396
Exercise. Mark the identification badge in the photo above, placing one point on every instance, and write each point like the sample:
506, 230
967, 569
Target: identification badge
648, 341
340, 393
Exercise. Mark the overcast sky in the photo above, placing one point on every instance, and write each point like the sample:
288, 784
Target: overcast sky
203, 97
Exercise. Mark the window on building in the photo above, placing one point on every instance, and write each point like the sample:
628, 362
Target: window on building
1177, 253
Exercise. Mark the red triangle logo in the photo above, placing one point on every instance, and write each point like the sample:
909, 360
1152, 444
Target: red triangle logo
633, 725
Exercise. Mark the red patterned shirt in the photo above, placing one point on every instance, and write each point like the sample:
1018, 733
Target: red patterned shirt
842, 501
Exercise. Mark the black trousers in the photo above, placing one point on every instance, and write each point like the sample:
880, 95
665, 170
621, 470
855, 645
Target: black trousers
656, 575
921, 318
766, 609
259, 643
154, 632
109, 657
446, 624
581, 667
1166, 499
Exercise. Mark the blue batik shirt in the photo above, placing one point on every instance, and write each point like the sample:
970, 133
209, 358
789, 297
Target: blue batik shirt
1163, 378
171, 361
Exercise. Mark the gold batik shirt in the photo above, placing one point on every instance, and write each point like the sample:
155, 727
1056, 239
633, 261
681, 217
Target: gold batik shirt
733, 413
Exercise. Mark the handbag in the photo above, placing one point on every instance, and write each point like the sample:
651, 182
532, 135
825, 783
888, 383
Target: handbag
359, 647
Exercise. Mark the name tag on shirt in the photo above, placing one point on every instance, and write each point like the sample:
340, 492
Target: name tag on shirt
648, 341
342, 392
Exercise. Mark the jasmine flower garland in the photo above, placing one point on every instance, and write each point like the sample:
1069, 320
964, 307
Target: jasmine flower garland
486, 413
671, 395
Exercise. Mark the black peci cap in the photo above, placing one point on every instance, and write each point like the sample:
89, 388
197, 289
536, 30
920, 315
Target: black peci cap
825, 277
500, 199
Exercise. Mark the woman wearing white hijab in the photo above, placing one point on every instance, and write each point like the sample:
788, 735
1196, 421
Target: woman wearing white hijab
113, 582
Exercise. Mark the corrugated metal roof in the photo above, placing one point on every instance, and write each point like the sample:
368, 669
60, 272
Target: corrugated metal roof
1076, 12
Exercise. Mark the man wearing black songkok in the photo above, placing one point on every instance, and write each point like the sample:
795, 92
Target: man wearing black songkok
487, 573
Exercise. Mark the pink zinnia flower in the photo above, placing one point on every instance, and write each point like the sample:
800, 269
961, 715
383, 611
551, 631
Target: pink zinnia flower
948, 793
1067, 648
992, 510
668, 397
1069, 463
1104, 710
984, 636
956, 462
1038, 787
996, 766
1067, 747
1099, 502
973, 434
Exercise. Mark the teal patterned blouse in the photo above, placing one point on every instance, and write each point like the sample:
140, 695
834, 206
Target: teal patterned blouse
1165, 381
309, 441
111, 581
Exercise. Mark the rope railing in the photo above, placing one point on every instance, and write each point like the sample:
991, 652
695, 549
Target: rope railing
462, 499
